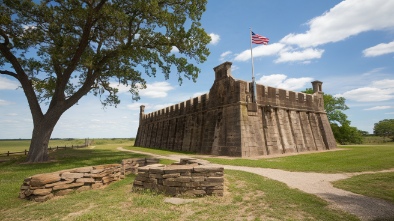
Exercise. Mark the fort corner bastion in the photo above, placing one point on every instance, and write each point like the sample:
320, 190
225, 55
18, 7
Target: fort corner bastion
231, 121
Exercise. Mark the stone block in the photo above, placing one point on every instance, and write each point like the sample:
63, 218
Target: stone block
94, 171
67, 186
171, 175
82, 170
183, 179
42, 198
215, 179
42, 192
208, 169
42, 179
85, 180
69, 175
58, 183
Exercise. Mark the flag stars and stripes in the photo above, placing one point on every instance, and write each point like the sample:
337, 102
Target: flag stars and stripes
258, 39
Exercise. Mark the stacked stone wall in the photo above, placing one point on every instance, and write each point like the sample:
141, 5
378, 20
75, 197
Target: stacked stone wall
227, 121
42, 187
187, 179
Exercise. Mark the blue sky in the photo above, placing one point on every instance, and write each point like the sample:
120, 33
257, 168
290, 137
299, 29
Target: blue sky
348, 45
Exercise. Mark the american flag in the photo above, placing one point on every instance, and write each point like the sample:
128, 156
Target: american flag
258, 39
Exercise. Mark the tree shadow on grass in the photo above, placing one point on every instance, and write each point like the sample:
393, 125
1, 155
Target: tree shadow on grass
67, 159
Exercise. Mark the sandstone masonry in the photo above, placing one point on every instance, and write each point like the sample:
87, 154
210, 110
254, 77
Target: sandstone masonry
187, 178
42, 187
230, 121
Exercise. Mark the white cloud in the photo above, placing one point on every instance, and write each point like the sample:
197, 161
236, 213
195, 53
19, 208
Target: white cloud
348, 18
390, 113
386, 83
305, 55
373, 71
215, 38
379, 108
281, 81
379, 49
6, 84
4, 102
262, 50
224, 56
174, 50
368, 94
154, 90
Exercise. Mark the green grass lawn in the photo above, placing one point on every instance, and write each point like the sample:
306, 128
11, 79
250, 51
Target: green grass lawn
354, 158
247, 196
379, 185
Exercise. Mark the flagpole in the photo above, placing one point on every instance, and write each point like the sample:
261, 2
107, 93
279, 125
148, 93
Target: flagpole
253, 80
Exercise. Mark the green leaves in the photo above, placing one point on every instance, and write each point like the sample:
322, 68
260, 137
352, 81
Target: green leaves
384, 128
100, 42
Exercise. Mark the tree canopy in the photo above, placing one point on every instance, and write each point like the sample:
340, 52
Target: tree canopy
384, 128
60, 50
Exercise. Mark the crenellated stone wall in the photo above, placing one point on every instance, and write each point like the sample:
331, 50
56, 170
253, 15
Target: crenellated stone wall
229, 121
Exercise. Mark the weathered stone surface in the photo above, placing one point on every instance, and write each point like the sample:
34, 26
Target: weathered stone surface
64, 192
97, 185
227, 121
83, 188
82, 170
42, 198
69, 175
85, 180
42, 192
67, 186
42, 179
59, 183
41, 187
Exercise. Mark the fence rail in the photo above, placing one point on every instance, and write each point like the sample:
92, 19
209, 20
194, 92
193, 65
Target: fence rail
25, 152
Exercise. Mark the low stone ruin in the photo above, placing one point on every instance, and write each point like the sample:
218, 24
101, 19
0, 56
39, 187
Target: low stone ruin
42, 187
187, 178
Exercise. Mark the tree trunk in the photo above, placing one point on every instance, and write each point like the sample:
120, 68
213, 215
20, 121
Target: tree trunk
38, 151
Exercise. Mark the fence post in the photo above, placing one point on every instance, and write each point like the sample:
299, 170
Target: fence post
25, 152
8, 153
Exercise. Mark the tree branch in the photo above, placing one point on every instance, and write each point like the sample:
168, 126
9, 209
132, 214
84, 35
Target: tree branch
12, 74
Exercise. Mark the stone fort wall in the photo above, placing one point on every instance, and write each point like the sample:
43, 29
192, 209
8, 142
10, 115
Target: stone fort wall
227, 121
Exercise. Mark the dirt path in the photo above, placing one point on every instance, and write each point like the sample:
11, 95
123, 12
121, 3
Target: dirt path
319, 184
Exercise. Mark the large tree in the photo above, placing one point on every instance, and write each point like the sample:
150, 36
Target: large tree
60, 50
384, 128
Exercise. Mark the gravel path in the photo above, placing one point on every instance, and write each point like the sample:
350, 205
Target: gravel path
319, 184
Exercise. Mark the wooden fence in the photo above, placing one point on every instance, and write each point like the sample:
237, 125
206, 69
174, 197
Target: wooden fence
25, 152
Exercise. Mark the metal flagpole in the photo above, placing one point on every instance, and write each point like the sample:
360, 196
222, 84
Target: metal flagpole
253, 80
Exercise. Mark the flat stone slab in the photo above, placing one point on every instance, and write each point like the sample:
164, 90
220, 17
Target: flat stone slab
178, 201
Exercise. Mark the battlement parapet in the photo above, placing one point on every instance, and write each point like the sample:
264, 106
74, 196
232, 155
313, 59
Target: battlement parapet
229, 120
